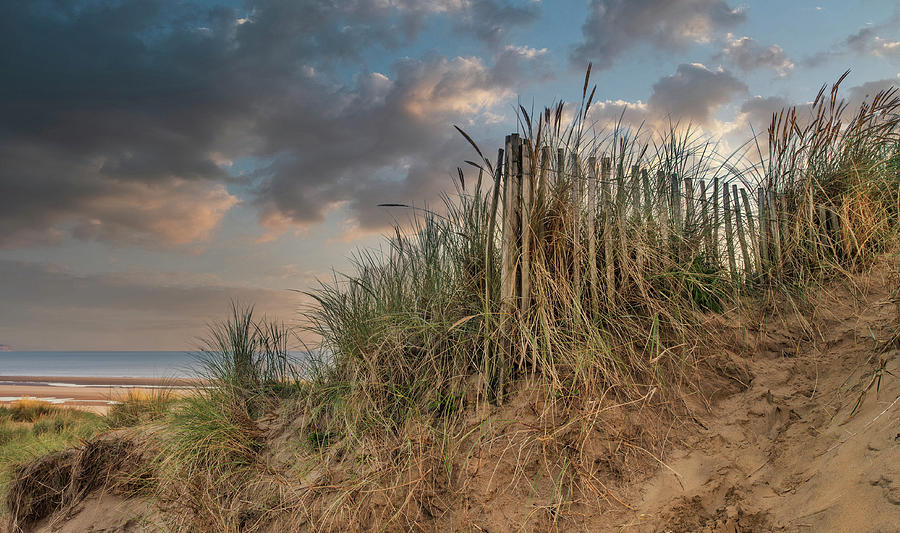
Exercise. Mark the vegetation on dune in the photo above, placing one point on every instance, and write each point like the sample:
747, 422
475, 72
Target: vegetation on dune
419, 328
418, 348
32, 428
140, 406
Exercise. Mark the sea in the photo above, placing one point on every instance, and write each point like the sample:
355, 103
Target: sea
132, 364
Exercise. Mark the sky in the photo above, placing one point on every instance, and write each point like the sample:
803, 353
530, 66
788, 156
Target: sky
159, 159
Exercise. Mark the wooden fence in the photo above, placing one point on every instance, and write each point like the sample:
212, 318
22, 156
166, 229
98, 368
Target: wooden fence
717, 219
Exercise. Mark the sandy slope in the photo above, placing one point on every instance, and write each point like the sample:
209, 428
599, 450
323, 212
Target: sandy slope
784, 454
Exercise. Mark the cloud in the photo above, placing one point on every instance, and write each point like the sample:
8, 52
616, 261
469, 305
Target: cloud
132, 311
693, 93
757, 111
118, 117
491, 20
865, 41
47, 195
747, 54
378, 143
614, 26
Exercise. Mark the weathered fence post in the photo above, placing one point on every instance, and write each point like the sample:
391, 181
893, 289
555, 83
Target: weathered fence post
636, 193
678, 226
739, 225
704, 219
729, 236
752, 229
772, 212
545, 168
512, 229
526, 206
490, 369
763, 230
592, 236
689, 221
607, 213
715, 212
662, 200
645, 181
560, 165
576, 223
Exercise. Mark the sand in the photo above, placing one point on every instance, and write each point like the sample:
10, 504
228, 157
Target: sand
790, 453
93, 393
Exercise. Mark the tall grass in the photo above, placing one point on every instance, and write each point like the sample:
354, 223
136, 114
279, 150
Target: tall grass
32, 428
213, 438
837, 179
140, 406
419, 328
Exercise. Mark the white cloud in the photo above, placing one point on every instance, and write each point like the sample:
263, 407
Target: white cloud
747, 54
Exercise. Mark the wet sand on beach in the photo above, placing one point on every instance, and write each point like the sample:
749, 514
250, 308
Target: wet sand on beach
84, 392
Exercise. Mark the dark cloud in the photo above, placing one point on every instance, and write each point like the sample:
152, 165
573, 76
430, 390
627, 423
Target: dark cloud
859, 94
118, 311
758, 111
748, 54
119, 116
490, 20
401, 125
694, 93
860, 41
614, 26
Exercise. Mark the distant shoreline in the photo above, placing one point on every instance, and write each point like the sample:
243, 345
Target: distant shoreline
92, 393
97, 381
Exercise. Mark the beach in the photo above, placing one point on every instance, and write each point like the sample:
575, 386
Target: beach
95, 393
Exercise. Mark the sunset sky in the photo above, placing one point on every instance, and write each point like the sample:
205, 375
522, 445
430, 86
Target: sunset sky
160, 158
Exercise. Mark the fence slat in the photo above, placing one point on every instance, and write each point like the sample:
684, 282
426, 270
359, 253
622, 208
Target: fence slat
689, 211
542, 181
526, 206
739, 225
729, 236
607, 214
678, 223
704, 219
592, 235
576, 222
645, 181
511, 229
636, 193
662, 205
763, 229
560, 165
715, 212
751, 226
772, 213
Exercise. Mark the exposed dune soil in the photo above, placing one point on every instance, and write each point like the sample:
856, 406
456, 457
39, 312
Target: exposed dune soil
805, 438
786, 454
